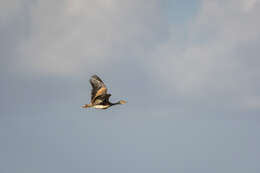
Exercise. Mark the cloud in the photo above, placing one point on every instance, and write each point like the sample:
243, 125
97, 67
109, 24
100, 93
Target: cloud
205, 63
9, 9
249, 4
211, 57
75, 37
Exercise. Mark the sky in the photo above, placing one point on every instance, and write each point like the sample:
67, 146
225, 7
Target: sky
189, 71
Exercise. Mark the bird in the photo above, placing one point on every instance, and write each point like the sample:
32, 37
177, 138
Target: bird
99, 95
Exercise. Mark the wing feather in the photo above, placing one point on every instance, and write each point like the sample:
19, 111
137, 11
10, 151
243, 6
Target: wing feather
98, 87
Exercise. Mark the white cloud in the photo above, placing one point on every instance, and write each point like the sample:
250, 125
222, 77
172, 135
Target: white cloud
249, 4
198, 60
207, 63
251, 102
9, 9
74, 37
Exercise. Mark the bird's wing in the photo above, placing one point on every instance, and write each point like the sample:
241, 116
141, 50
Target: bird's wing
98, 87
101, 99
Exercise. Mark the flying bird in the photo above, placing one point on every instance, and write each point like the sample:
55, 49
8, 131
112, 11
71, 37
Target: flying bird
99, 95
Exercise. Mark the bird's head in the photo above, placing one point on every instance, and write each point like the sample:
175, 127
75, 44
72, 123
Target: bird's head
122, 102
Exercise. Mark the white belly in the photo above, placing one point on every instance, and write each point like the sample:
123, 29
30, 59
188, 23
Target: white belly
101, 106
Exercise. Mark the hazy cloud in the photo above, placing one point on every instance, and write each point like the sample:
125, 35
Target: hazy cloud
189, 71
206, 63
68, 37
195, 59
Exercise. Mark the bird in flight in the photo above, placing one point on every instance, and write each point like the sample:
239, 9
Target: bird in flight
99, 95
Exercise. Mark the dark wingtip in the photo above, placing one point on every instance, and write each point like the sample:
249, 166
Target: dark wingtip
96, 77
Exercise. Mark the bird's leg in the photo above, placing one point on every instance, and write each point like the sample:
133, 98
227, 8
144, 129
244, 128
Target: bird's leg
86, 106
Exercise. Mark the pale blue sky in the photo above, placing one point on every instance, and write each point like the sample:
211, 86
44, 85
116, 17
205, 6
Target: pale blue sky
189, 71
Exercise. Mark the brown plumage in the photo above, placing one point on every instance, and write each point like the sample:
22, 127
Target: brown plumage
99, 95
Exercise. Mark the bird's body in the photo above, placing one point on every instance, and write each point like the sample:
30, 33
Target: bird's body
99, 96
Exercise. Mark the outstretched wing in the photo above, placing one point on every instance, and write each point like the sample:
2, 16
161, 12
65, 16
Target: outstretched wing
98, 87
102, 99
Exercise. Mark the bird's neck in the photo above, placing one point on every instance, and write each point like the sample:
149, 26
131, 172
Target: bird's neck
116, 103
